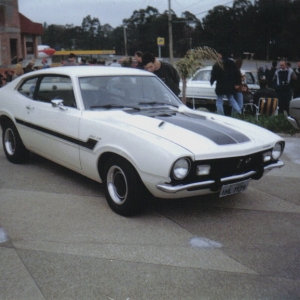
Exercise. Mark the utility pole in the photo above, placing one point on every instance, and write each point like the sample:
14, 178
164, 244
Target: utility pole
125, 40
170, 34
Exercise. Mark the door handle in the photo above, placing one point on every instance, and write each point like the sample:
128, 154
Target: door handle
29, 107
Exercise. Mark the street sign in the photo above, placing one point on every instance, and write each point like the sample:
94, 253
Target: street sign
160, 41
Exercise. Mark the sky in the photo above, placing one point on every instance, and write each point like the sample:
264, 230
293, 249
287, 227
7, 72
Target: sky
62, 12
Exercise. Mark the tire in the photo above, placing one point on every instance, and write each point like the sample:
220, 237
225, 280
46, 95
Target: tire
13, 146
123, 187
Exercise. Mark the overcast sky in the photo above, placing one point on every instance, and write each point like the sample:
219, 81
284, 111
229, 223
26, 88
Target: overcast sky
62, 12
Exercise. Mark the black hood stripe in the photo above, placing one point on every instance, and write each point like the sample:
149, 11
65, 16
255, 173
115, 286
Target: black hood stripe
221, 135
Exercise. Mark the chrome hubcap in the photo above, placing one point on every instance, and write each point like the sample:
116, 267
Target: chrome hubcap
9, 141
117, 185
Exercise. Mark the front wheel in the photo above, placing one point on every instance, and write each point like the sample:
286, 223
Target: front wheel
123, 187
13, 146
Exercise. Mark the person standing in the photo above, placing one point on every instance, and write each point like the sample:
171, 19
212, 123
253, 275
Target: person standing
19, 68
238, 95
2, 80
138, 55
228, 79
71, 60
45, 63
8, 76
115, 64
165, 71
83, 62
297, 83
30, 65
283, 86
271, 72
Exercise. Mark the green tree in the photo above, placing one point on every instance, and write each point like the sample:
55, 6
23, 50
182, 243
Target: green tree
268, 28
193, 60
217, 28
92, 33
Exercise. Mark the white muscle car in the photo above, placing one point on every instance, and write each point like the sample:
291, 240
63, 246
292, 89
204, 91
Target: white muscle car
125, 129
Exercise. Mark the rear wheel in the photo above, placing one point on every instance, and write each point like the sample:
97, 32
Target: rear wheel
13, 146
123, 187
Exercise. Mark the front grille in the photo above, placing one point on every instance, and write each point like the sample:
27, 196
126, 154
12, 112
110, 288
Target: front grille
225, 167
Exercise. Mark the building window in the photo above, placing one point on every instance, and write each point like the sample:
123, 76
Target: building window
2, 15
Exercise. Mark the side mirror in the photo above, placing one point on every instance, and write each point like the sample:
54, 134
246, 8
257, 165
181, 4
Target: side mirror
58, 103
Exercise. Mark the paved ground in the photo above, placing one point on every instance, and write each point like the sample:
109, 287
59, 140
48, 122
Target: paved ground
65, 243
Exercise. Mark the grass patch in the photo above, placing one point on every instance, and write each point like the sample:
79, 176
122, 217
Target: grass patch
277, 124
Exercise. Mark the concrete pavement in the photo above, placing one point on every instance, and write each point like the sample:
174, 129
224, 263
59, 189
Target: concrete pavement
63, 241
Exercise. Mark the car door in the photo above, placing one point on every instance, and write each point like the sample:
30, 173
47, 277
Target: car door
251, 81
52, 130
199, 85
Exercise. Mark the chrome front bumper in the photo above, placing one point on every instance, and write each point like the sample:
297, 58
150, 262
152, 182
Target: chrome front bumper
167, 188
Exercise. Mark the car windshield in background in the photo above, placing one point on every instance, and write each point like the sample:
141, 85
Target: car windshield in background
124, 91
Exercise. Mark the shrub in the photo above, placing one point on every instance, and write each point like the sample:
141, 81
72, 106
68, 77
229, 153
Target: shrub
277, 124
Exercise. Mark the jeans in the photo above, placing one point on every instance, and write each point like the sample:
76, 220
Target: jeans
240, 101
284, 98
232, 102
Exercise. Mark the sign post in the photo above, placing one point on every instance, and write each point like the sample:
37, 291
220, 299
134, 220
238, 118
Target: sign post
160, 43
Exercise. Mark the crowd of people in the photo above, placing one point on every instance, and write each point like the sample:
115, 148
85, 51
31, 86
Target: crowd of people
282, 83
146, 61
6, 76
10, 74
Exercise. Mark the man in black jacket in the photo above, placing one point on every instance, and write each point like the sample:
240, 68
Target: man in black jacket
264, 91
165, 71
228, 80
270, 73
283, 82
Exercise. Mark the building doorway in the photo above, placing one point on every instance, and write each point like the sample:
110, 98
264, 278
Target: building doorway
13, 51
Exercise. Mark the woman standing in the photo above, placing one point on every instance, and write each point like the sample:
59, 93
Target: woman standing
238, 95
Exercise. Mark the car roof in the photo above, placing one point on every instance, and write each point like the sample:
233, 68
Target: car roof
83, 71
210, 68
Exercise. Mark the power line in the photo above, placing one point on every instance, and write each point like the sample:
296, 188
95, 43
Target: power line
209, 10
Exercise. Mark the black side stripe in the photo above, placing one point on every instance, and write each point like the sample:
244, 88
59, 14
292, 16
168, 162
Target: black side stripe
89, 144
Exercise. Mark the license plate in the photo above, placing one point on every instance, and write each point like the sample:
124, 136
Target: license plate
234, 188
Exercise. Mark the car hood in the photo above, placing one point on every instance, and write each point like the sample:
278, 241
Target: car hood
207, 135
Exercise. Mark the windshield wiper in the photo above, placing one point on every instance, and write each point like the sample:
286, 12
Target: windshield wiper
108, 106
157, 103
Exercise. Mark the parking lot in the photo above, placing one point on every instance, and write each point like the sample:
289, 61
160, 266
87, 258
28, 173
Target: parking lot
60, 240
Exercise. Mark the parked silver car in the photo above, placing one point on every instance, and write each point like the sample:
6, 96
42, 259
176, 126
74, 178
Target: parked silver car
294, 117
199, 92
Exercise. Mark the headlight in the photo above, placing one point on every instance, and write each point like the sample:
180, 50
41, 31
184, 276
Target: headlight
181, 168
277, 151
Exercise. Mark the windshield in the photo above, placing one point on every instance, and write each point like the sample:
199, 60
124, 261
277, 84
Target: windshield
124, 91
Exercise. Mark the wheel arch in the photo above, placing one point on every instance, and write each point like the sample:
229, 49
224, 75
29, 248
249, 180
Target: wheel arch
109, 155
4, 119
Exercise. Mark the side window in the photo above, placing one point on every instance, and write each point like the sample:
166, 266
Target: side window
28, 87
202, 76
206, 75
249, 78
198, 76
56, 87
